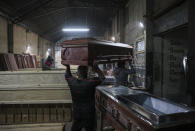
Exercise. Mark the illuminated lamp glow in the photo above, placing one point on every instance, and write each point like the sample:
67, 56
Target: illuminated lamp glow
75, 29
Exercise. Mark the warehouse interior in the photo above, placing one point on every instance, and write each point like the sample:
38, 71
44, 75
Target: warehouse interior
36, 97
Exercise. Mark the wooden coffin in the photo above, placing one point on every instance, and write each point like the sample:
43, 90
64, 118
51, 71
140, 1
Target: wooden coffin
19, 62
8, 62
14, 66
34, 61
87, 51
130, 110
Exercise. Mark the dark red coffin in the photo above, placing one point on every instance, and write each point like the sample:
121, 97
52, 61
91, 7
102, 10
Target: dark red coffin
8, 62
86, 51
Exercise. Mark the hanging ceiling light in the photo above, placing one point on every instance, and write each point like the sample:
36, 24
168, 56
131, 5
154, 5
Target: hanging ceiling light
76, 29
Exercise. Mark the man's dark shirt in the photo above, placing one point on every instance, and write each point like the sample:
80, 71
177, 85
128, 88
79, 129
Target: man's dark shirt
83, 95
121, 75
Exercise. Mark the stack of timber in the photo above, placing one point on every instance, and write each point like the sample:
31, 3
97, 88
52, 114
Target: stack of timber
32, 99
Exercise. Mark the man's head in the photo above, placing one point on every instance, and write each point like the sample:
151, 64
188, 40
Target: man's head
82, 72
121, 64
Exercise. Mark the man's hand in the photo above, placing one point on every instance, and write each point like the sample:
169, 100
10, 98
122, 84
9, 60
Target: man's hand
68, 72
96, 69
67, 66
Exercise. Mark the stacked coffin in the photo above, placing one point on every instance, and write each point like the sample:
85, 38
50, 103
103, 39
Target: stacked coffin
8, 62
13, 62
19, 60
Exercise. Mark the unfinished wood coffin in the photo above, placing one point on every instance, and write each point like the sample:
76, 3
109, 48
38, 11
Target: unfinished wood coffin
35, 113
87, 51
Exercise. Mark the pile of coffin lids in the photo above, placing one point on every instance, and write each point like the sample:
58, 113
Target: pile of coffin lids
13, 62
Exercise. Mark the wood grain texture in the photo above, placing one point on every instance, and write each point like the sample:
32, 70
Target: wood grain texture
35, 95
28, 78
33, 86
33, 127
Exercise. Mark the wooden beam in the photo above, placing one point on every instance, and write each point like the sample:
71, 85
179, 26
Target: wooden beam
10, 37
23, 16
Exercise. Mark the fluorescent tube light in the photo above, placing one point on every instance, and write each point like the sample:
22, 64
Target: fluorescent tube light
75, 29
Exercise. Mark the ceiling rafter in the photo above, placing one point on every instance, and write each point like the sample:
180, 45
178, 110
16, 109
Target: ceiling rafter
27, 6
21, 17
48, 17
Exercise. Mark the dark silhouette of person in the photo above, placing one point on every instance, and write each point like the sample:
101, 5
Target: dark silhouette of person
83, 97
121, 74
49, 62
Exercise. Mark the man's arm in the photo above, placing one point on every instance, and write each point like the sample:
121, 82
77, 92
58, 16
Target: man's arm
99, 72
96, 81
68, 72
130, 71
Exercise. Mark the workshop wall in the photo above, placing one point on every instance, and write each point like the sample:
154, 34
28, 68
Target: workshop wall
160, 6
126, 28
116, 29
19, 38
135, 35
3, 36
135, 11
32, 40
169, 42
169, 50
22, 39
126, 23
45, 48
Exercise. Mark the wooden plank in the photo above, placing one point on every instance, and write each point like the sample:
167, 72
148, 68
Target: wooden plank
2, 115
19, 60
10, 114
18, 114
35, 113
53, 115
28, 95
67, 113
46, 113
60, 113
34, 127
40, 114
25, 112
32, 113
12, 61
38, 102
32, 77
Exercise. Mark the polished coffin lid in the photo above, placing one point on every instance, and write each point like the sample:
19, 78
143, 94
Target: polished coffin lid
156, 111
86, 51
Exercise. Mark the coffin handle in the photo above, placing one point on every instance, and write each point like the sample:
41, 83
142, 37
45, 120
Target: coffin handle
65, 52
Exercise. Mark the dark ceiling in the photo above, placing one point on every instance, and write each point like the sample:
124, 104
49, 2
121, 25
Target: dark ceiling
48, 17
